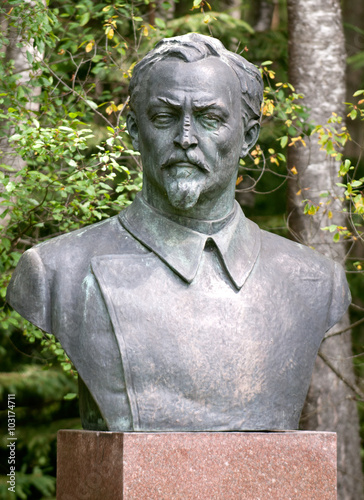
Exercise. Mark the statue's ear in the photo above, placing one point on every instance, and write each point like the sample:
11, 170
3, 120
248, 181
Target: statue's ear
132, 126
251, 137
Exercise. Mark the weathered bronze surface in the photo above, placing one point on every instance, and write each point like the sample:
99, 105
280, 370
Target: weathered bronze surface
180, 314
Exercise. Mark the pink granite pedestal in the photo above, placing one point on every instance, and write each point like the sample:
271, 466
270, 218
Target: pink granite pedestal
188, 466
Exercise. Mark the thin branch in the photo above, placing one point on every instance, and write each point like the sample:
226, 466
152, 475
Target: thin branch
76, 93
351, 386
272, 190
121, 111
353, 325
356, 306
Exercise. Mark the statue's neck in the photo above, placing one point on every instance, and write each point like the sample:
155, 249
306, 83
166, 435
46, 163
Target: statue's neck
202, 226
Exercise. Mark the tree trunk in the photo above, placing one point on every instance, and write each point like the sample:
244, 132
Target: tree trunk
233, 8
317, 70
22, 68
265, 15
353, 13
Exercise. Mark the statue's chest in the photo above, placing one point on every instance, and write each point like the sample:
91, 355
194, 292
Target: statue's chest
204, 355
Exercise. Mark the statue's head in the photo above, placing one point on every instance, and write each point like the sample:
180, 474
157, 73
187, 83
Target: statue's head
194, 111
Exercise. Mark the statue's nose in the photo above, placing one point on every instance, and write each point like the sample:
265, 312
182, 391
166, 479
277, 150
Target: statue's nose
186, 136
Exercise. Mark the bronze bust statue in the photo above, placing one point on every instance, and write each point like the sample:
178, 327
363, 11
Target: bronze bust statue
180, 314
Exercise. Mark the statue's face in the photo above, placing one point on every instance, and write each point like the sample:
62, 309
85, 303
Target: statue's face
189, 129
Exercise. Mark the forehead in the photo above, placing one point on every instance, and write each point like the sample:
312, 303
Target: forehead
209, 79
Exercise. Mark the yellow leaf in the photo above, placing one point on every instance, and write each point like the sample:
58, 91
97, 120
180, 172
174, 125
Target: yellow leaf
110, 33
330, 214
109, 110
256, 161
299, 192
90, 46
294, 170
239, 179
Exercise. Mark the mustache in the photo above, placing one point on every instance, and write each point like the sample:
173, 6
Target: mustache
190, 158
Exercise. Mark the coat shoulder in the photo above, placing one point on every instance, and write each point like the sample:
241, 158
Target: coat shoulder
64, 260
81, 245
285, 253
301, 265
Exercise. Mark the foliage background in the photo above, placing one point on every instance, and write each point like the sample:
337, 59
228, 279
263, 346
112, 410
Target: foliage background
67, 161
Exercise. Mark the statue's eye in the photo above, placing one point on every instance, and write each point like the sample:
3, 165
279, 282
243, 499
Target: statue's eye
163, 119
210, 120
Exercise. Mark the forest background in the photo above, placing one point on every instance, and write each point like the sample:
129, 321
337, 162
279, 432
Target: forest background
66, 161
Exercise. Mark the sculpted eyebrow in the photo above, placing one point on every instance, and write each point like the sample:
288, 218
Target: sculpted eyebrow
166, 100
211, 105
157, 102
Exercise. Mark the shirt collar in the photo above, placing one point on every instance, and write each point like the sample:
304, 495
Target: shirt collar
181, 247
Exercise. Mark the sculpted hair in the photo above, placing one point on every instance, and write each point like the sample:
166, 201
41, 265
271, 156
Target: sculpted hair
194, 47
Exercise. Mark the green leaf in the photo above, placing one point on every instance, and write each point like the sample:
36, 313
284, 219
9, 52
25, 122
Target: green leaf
8, 168
92, 104
84, 18
20, 92
358, 92
284, 141
160, 23
67, 129
336, 237
29, 57
345, 167
10, 187
70, 395
15, 137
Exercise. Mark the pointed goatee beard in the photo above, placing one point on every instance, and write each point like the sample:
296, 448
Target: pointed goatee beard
183, 193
